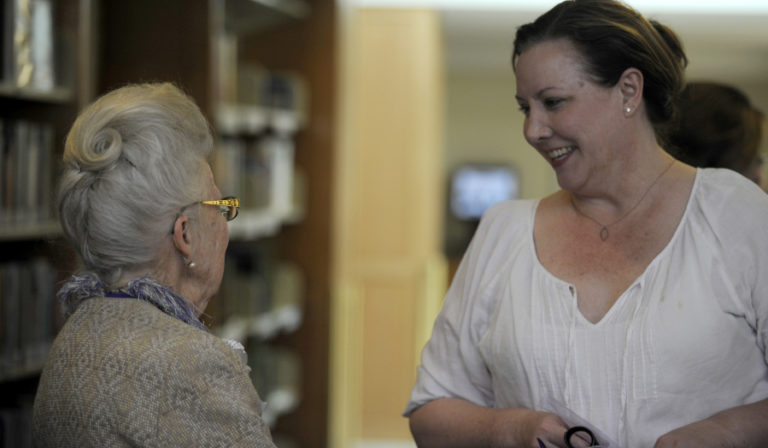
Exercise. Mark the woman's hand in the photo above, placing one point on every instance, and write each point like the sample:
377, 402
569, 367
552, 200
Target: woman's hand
739, 427
452, 422
702, 434
545, 428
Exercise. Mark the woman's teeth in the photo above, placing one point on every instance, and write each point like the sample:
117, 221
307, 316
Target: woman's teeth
559, 153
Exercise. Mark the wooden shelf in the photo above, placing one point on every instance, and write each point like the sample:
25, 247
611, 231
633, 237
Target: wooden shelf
255, 224
181, 40
286, 318
248, 16
29, 231
57, 95
20, 372
247, 119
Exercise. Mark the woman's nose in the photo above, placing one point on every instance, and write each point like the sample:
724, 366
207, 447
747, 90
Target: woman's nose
536, 128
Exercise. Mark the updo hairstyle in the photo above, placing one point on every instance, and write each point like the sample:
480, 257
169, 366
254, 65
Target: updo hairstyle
132, 160
612, 37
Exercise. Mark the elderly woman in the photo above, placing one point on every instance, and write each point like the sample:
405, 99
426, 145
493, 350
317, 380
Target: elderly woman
133, 365
633, 302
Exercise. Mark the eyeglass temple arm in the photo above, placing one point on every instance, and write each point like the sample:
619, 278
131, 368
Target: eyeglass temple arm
230, 202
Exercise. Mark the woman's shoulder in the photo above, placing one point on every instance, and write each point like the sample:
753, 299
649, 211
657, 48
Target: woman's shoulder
729, 194
508, 217
139, 330
730, 210
510, 207
504, 232
137, 359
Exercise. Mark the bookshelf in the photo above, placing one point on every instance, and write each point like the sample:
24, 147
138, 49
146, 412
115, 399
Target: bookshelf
238, 58
46, 62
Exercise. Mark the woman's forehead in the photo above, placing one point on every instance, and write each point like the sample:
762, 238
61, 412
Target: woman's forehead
549, 64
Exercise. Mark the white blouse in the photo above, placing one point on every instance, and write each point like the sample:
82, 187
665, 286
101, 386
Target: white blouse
687, 339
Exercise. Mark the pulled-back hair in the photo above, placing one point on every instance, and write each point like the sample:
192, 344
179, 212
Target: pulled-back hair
612, 37
718, 127
132, 160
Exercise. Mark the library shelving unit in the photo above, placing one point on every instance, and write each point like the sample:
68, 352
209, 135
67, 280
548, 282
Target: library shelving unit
262, 71
46, 70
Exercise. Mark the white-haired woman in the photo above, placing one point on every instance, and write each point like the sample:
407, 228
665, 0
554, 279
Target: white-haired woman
133, 365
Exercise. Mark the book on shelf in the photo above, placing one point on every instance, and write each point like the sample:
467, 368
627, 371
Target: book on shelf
3, 173
16, 423
286, 98
276, 374
259, 298
227, 163
256, 101
279, 154
42, 58
226, 67
28, 44
23, 148
27, 315
261, 173
26, 173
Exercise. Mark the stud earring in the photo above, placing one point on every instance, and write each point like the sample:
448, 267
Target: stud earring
629, 109
191, 265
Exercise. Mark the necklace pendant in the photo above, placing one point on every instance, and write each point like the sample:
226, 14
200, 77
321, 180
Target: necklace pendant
604, 233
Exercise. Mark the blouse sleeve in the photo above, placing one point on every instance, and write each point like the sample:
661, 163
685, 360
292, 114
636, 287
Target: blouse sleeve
451, 363
737, 212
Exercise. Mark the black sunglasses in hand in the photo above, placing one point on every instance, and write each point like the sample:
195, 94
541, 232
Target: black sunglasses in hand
571, 432
580, 430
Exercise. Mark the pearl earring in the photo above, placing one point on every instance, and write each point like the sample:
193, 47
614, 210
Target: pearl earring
629, 109
191, 264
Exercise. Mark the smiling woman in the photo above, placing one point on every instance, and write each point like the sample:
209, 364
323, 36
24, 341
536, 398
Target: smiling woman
596, 305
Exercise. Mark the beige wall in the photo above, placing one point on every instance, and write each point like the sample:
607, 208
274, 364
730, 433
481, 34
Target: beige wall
483, 124
389, 274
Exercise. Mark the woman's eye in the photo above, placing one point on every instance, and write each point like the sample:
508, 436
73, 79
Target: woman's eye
524, 109
551, 103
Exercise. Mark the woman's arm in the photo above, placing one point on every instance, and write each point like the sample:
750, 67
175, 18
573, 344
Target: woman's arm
739, 427
452, 422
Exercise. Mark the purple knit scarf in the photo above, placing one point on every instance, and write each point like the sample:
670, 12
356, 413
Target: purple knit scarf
81, 287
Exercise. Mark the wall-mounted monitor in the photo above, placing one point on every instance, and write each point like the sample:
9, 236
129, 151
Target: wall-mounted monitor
475, 187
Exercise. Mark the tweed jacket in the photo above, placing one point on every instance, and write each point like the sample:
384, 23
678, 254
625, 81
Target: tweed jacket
122, 373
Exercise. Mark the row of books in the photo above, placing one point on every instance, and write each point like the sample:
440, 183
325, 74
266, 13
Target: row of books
16, 423
261, 173
26, 172
253, 100
259, 298
28, 44
29, 316
276, 374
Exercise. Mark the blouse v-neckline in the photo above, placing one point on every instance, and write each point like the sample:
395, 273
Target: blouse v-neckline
571, 289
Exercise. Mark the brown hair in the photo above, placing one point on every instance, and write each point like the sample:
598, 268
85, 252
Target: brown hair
717, 127
611, 38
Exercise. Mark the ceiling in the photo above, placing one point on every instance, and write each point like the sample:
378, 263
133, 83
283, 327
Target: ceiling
720, 46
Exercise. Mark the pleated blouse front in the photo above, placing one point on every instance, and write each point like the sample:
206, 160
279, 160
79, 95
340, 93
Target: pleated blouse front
684, 341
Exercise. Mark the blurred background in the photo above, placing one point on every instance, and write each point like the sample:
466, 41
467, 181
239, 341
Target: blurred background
364, 137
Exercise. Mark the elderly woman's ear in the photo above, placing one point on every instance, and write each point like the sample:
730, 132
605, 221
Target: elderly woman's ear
181, 236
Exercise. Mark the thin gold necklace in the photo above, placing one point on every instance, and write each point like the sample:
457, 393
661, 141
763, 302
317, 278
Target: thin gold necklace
604, 234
